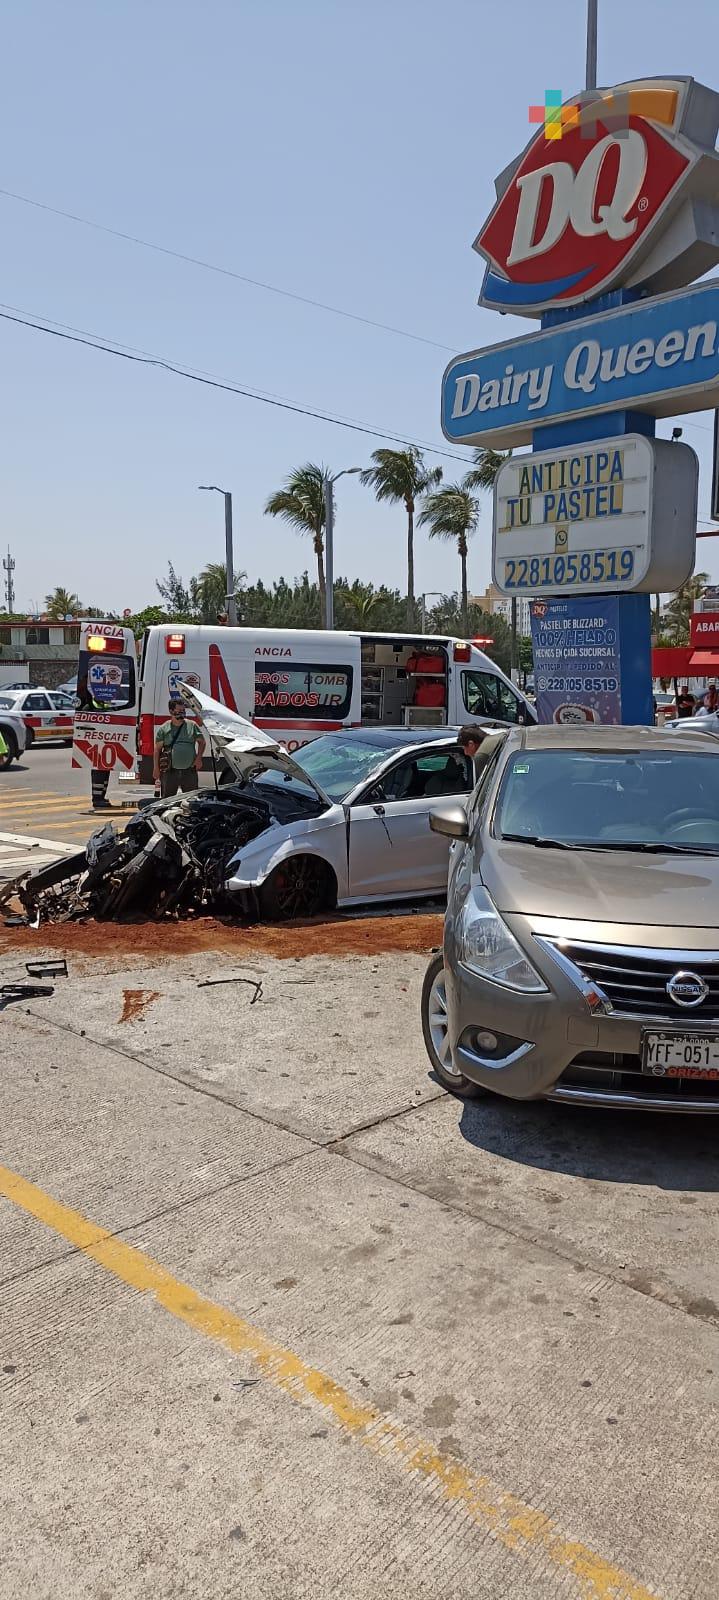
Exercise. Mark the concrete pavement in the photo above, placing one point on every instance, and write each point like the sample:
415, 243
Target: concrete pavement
282, 1319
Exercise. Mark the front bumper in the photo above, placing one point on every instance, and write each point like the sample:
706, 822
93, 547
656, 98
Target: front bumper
549, 1045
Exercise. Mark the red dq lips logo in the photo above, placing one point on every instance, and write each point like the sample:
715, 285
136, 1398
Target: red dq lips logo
575, 217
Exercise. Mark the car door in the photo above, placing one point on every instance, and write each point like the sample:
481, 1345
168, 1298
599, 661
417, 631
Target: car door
392, 849
36, 712
63, 711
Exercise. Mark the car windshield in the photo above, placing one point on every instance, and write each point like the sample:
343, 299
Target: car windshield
338, 763
612, 800
7, 702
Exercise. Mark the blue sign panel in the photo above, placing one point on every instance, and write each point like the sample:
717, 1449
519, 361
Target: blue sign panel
659, 355
591, 659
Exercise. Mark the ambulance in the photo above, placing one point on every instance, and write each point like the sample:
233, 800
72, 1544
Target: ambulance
294, 683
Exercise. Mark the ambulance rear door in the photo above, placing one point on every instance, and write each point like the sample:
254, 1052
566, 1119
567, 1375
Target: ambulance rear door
106, 714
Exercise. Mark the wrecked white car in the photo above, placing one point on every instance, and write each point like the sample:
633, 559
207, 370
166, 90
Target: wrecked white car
342, 823
350, 812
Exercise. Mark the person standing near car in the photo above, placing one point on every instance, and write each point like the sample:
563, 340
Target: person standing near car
179, 748
99, 776
686, 704
471, 737
709, 705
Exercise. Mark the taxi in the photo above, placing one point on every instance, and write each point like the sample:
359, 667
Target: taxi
47, 714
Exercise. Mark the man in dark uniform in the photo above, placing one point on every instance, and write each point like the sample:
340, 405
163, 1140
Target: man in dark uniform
99, 779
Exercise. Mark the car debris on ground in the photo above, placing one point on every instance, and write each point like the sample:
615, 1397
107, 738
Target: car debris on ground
171, 858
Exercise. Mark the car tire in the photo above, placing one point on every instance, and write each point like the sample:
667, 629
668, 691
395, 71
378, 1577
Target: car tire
436, 1034
12, 749
300, 886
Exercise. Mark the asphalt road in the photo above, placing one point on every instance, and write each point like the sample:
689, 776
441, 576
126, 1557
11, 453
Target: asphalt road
43, 796
281, 1319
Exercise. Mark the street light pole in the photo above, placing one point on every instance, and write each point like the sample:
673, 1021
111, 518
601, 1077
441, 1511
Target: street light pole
591, 73
433, 594
229, 553
329, 483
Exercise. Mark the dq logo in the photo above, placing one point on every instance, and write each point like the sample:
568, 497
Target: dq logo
571, 221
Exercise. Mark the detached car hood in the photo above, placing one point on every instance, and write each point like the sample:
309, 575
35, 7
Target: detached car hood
602, 886
247, 750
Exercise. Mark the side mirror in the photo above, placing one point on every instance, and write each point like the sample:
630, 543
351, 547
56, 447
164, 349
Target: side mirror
451, 820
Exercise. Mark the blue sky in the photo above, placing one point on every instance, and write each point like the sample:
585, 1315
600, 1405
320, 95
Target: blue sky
343, 149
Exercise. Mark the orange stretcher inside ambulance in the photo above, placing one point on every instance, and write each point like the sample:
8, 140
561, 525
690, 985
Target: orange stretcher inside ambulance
295, 683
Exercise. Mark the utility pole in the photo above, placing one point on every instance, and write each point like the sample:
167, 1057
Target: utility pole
329, 552
229, 553
513, 658
9, 565
591, 73
230, 563
329, 499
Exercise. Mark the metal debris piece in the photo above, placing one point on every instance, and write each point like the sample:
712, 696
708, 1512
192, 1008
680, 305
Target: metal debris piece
47, 969
10, 992
254, 983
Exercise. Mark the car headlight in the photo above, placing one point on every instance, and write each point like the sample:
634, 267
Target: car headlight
487, 946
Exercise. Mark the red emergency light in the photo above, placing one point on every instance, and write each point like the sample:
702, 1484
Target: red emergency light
175, 644
483, 643
97, 641
462, 652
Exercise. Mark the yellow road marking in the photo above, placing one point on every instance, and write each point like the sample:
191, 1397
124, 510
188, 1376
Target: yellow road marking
517, 1526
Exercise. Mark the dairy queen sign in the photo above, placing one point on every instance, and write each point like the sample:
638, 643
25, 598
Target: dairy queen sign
619, 200
598, 231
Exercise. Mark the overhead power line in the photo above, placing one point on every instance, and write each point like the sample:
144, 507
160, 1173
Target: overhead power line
225, 272
112, 347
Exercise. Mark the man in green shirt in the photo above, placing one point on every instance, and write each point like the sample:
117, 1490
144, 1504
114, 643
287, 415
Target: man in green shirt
179, 748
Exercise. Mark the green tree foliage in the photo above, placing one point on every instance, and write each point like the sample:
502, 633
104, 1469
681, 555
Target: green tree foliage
452, 512
446, 617
402, 477
212, 590
486, 466
62, 603
182, 604
301, 503
676, 615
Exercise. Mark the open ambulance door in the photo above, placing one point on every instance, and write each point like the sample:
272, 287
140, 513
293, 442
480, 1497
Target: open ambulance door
106, 714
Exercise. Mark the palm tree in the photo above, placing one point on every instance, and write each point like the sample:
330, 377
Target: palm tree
678, 612
486, 466
61, 603
360, 604
301, 502
212, 589
401, 475
453, 513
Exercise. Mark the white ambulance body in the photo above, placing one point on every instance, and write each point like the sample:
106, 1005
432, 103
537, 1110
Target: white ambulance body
301, 683
295, 683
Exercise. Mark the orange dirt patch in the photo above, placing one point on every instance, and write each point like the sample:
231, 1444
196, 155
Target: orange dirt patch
134, 1002
161, 941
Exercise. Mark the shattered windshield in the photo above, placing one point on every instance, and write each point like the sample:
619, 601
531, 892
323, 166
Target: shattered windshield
337, 763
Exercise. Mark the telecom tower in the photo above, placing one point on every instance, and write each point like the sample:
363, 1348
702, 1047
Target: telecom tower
9, 565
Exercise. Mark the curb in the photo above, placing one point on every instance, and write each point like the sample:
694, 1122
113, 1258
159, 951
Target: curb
30, 843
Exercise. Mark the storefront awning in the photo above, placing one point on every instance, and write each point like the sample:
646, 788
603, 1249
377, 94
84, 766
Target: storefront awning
703, 661
672, 661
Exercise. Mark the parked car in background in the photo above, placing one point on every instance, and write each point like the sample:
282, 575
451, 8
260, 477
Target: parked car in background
581, 946
12, 729
349, 812
46, 713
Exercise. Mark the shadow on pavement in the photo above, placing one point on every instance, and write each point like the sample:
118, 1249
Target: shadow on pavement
665, 1151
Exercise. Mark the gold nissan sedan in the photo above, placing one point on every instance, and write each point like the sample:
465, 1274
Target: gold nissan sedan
581, 943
